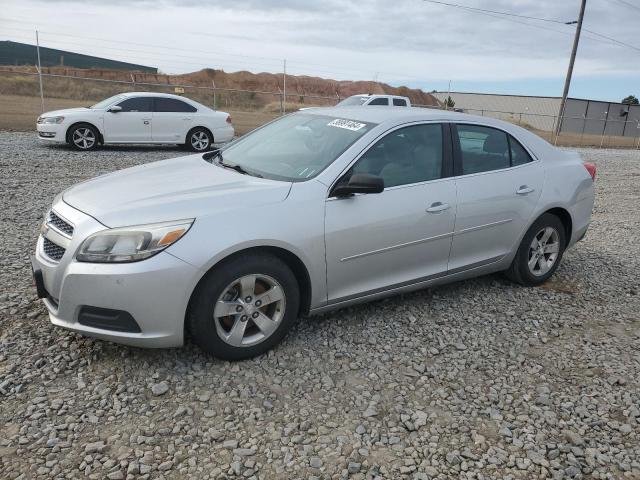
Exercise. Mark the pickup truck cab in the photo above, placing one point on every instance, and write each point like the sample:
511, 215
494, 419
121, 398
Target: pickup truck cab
374, 100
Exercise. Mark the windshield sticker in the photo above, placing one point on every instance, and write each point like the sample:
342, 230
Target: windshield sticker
346, 124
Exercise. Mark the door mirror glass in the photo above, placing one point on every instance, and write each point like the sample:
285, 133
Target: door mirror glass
115, 109
359, 183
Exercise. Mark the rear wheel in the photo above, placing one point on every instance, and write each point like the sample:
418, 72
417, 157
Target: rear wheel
244, 307
199, 139
540, 252
83, 137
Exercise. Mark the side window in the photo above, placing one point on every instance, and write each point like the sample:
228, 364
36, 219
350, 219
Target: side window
172, 105
399, 102
519, 156
407, 155
139, 104
379, 101
483, 149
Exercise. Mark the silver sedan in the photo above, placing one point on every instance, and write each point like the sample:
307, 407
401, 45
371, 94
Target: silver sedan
317, 210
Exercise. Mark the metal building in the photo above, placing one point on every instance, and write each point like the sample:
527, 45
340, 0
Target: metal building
15, 53
587, 117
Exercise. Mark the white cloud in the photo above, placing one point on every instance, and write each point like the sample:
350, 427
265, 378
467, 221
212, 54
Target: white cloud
409, 41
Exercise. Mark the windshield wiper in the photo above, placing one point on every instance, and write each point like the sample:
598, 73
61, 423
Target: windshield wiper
209, 156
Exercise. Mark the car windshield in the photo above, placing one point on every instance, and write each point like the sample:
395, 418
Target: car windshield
107, 101
296, 147
352, 101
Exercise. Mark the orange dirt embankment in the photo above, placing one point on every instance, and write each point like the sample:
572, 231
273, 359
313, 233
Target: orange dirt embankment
265, 82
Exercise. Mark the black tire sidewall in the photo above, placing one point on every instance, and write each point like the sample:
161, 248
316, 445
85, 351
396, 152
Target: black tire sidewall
201, 324
83, 125
546, 220
189, 145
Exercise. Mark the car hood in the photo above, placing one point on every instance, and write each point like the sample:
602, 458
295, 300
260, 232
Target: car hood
175, 189
66, 111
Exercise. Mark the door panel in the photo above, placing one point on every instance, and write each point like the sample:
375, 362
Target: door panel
131, 124
379, 240
494, 206
172, 119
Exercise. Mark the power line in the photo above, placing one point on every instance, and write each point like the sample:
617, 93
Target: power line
618, 42
476, 9
271, 61
499, 14
630, 5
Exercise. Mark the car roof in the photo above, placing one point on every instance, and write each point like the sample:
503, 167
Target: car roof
396, 114
384, 95
392, 116
154, 94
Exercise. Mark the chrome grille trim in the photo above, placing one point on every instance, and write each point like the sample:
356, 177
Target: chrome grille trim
51, 250
59, 224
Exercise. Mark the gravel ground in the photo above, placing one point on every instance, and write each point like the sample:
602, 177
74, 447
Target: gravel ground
480, 379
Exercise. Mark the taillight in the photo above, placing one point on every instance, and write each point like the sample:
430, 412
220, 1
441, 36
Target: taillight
229, 119
591, 168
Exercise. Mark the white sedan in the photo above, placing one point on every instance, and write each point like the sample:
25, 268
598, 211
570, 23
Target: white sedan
140, 117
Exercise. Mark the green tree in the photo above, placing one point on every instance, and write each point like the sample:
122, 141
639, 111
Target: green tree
449, 103
630, 100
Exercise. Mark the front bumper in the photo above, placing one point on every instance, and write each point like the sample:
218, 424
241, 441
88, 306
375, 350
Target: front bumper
51, 132
154, 292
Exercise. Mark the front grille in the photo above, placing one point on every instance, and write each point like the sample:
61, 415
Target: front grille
53, 251
60, 224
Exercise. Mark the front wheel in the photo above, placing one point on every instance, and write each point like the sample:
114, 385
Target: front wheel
244, 307
83, 137
199, 140
540, 252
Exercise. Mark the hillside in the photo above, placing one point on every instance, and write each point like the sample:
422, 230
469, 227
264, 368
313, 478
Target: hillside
300, 89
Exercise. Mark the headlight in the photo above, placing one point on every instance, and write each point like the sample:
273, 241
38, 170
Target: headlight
130, 244
50, 119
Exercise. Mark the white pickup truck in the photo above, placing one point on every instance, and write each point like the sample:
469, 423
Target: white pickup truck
383, 100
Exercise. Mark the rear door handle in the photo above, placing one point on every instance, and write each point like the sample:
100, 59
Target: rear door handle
187, 118
146, 122
524, 190
438, 207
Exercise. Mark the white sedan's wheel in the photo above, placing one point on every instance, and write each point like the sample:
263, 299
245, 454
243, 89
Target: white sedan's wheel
199, 140
83, 137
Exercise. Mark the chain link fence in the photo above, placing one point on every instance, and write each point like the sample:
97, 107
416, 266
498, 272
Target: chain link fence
252, 108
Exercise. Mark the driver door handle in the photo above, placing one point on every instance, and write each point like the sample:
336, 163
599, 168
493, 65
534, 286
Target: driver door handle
524, 190
438, 207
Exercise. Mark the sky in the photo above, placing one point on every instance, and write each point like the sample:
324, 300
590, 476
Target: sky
415, 43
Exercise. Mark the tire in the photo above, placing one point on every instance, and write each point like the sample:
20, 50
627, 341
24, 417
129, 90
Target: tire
232, 316
199, 140
83, 136
532, 267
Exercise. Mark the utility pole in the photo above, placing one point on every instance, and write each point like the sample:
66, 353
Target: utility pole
40, 71
567, 82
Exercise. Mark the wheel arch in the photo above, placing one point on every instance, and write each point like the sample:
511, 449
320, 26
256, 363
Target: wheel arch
83, 122
292, 260
566, 220
186, 137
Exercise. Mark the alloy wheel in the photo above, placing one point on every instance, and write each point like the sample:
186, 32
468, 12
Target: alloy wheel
200, 140
249, 310
83, 138
543, 251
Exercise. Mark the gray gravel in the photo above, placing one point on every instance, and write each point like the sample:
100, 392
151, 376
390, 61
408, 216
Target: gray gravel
480, 379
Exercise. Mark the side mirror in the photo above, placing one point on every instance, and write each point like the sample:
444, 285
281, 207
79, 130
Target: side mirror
359, 183
115, 109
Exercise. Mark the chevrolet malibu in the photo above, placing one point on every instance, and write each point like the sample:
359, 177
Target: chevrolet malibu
141, 117
314, 211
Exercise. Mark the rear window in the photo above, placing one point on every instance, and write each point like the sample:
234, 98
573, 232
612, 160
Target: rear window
172, 105
399, 102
